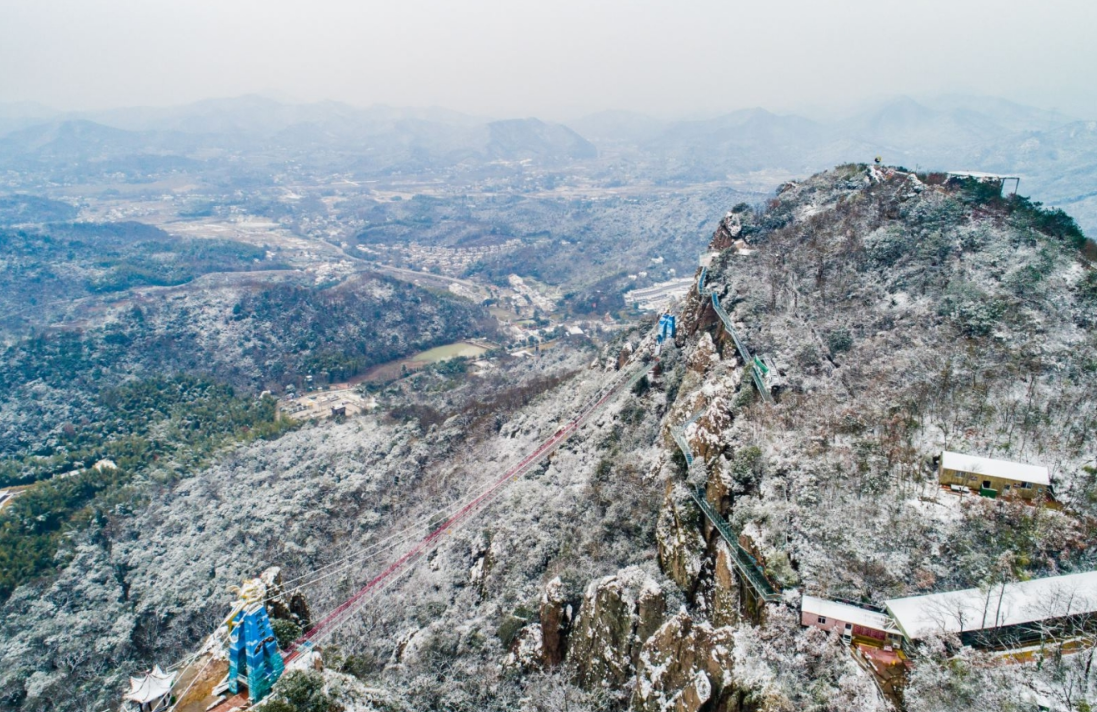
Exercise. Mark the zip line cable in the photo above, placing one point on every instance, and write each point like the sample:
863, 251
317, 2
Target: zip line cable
462, 510
337, 616
454, 506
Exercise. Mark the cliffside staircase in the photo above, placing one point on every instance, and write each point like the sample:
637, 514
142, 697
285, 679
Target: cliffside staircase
747, 566
749, 569
757, 368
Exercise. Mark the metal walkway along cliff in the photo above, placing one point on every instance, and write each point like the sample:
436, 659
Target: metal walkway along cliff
745, 564
756, 368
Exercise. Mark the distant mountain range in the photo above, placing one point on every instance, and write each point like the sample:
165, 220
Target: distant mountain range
415, 137
1054, 153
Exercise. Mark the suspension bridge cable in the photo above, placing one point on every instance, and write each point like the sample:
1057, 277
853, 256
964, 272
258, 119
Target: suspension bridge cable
342, 613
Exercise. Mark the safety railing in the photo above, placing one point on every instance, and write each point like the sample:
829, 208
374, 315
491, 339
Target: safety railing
744, 352
680, 438
760, 384
744, 562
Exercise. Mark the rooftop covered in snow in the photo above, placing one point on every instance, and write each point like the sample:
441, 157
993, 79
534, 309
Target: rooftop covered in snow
1002, 605
152, 686
981, 174
846, 613
1036, 474
987, 178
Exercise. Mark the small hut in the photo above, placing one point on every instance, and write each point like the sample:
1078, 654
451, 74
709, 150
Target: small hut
992, 478
991, 179
850, 621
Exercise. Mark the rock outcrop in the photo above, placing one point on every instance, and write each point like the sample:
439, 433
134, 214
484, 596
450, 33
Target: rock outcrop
527, 650
705, 435
720, 486
697, 315
291, 607
686, 667
729, 230
678, 535
724, 605
617, 614
624, 355
556, 615
703, 355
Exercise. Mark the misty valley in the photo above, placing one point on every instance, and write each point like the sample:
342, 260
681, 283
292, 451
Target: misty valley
318, 408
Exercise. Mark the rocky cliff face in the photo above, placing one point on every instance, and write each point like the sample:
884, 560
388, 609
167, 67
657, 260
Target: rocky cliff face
618, 614
730, 229
724, 599
902, 318
679, 537
870, 292
556, 618
286, 605
686, 667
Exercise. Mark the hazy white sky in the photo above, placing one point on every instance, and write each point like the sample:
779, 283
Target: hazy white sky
554, 58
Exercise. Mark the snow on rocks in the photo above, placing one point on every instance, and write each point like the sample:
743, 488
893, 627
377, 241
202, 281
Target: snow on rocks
678, 536
724, 595
683, 666
727, 232
617, 614
556, 615
703, 355
527, 651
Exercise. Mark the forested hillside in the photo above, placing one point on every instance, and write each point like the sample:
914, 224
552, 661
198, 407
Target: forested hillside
904, 317
259, 337
897, 314
46, 268
164, 381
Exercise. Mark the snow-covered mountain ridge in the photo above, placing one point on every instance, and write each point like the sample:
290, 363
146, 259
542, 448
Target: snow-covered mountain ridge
904, 317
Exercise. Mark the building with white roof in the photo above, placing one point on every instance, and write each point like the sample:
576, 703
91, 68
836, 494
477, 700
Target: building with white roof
993, 477
847, 619
1009, 612
992, 178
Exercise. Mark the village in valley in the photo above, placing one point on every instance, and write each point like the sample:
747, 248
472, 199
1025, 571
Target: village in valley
327, 408
1015, 621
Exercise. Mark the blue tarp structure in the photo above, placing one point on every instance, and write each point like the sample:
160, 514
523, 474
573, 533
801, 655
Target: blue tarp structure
667, 328
253, 653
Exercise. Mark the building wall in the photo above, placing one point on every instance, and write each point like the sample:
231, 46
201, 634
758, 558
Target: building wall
975, 482
1015, 636
829, 623
811, 619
